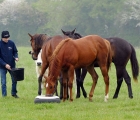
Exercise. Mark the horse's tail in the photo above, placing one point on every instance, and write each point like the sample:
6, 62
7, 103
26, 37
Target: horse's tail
109, 59
134, 64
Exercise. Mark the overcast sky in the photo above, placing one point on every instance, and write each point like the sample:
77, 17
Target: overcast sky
12, 0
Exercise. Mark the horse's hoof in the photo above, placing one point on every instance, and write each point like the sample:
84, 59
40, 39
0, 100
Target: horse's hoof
90, 100
85, 95
67, 97
115, 97
71, 100
131, 97
77, 96
106, 98
61, 97
39, 93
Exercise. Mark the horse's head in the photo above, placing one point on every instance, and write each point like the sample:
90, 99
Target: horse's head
68, 33
36, 44
39, 60
71, 34
50, 86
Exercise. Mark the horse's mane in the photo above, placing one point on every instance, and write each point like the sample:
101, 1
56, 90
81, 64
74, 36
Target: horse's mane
54, 70
59, 46
40, 39
78, 35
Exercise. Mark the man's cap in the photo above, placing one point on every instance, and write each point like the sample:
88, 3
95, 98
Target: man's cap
5, 34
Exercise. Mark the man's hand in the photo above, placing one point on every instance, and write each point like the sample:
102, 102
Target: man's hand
8, 66
16, 59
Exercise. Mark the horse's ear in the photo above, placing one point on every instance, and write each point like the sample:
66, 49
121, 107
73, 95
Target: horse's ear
63, 31
73, 31
30, 35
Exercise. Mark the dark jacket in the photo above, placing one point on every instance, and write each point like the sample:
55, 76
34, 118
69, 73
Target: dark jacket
8, 53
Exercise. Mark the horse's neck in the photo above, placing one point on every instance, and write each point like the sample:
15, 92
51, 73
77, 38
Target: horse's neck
55, 68
46, 40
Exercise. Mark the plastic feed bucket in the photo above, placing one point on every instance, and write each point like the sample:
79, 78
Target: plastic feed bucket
18, 74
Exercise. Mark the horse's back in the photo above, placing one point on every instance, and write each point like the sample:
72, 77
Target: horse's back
55, 40
87, 49
50, 45
92, 43
120, 43
121, 49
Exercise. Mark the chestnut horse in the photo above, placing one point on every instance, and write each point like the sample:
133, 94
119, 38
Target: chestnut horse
80, 72
68, 55
122, 52
47, 44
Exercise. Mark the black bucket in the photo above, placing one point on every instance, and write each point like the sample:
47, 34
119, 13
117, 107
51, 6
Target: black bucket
18, 74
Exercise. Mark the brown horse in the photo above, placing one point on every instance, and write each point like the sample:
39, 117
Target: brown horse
80, 72
122, 51
69, 55
47, 44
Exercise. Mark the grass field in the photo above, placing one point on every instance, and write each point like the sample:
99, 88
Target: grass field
24, 108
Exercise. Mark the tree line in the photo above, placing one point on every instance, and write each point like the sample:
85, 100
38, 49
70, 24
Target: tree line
106, 18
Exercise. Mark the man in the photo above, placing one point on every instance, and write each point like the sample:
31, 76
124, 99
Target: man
8, 56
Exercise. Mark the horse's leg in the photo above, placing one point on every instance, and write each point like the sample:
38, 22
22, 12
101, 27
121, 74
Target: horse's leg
78, 73
75, 83
70, 82
42, 87
61, 86
64, 85
106, 80
119, 72
84, 72
43, 69
128, 82
56, 93
94, 76
67, 89
39, 84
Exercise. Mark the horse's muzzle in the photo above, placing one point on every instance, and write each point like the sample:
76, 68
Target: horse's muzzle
34, 58
31, 53
49, 95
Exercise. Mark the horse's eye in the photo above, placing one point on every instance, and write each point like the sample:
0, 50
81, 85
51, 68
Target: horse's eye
50, 87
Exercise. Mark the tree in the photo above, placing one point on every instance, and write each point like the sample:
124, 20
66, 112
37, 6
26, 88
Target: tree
131, 12
129, 21
1, 1
20, 18
89, 17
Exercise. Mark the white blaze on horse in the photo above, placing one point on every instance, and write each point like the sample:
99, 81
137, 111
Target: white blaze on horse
38, 64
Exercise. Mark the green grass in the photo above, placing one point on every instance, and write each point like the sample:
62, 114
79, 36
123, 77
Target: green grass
24, 108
